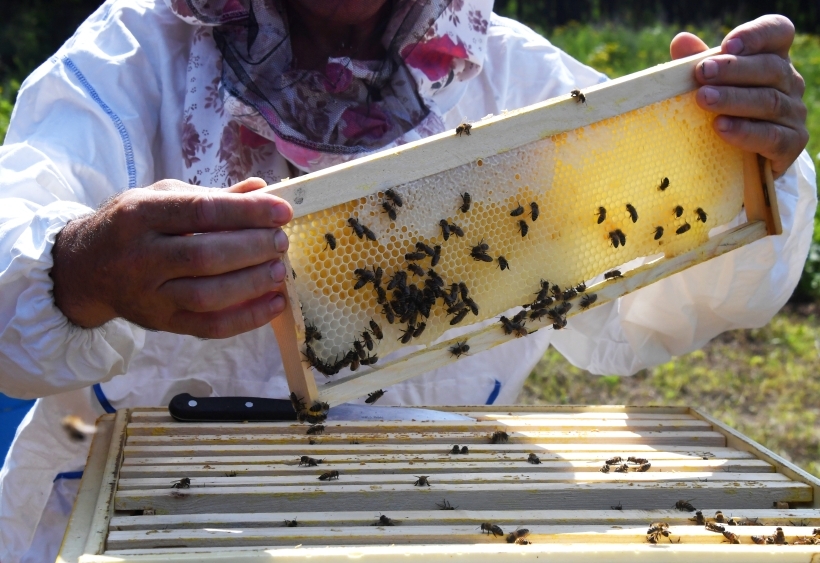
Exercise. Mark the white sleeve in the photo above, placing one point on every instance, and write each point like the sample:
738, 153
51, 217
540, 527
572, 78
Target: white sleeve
741, 289
76, 137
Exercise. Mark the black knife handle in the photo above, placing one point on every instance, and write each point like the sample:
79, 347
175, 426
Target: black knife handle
187, 408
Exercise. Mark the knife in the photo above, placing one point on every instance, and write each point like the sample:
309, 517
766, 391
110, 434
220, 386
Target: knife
187, 408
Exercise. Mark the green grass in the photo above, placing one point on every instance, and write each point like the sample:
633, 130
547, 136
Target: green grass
763, 382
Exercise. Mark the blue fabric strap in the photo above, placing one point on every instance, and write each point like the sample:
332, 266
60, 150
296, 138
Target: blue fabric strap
68, 475
104, 403
494, 395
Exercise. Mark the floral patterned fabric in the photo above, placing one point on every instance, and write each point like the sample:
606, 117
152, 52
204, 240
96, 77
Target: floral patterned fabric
245, 95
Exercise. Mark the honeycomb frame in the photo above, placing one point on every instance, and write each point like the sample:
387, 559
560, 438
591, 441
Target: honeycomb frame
564, 140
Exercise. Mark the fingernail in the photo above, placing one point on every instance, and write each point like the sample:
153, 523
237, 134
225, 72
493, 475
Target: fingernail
280, 241
709, 68
281, 213
733, 46
278, 271
277, 304
723, 123
711, 95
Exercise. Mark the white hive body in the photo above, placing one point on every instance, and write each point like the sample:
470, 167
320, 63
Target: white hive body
612, 163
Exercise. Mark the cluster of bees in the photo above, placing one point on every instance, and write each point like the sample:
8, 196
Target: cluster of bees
551, 301
519, 536
313, 415
622, 465
358, 356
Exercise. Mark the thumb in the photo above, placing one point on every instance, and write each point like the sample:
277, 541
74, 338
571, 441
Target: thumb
685, 44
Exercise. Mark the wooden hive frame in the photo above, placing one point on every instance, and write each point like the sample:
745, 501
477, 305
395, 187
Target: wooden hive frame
126, 510
339, 184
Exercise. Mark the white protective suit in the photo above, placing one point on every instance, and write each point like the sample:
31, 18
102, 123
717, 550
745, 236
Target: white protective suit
105, 114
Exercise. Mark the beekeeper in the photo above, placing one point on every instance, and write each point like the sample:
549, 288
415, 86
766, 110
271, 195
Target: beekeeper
125, 138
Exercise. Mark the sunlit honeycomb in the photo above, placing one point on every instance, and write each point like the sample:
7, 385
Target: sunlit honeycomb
609, 164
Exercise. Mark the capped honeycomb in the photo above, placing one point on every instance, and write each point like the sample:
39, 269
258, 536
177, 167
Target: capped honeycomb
618, 164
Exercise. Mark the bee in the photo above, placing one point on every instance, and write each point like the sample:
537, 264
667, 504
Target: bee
374, 396
394, 197
297, 403
731, 537
416, 269
779, 537
76, 429
412, 256
419, 329
309, 461
463, 128
359, 349
472, 305
759, 540
436, 255
683, 228
444, 505
621, 236
804, 540
519, 316
638, 460
481, 256
311, 334
462, 288
699, 519
633, 213
491, 528
384, 521
614, 239
460, 349
291, 523
465, 450
581, 287
455, 450
701, 214
368, 233
684, 505
678, 211
517, 211
184, 483
356, 226
612, 275
421, 481
712, 527
618, 506
588, 300
499, 437
534, 459
622, 468
656, 531
601, 215
230, 474
390, 210
521, 533
459, 317
329, 475
363, 276
407, 335
466, 200
719, 517
536, 314
368, 340
445, 228
503, 264
644, 467
658, 232
523, 227
387, 310
421, 247
614, 460
376, 330
523, 541
315, 429
604, 469
664, 184
568, 294
331, 241
579, 96
534, 212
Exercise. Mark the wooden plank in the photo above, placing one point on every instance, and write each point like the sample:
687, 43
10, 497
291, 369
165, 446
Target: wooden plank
409, 466
412, 161
648, 437
387, 426
79, 523
289, 328
737, 440
770, 195
757, 201
469, 496
104, 506
805, 517
438, 355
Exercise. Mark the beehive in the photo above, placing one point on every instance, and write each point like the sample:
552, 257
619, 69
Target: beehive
246, 481
564, 191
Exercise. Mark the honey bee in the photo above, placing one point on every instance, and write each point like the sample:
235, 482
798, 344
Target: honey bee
612, 275
638, 460
444, 505
331, 241
658, 232
719, 517
731, 537
419, 329
329, 475
621, 236
472, 305
712, 527
356, 226
678, 211
416, 270
297, 403
633, 213
499, 437
436, 255
568, 294
368, 233
536, 314
614, 239
588, 300
534, 459
421, 247
374, 396
618, 506
481, 256
368, 340
184, 483
370, 360
445, 229
664, 184
683, 228
759, 540
291, 523
421, 481
394, 197
579, 96
230, 474
804, 540
384, 521
359, 349
460, 349
456, 230
376, 330
656, 531
455, 450
701, 215
699, 519
390, 210
605, 468
411, 256
466, 200
465, 450
523, 541
614, 460
463, 128
523, 227
315, 429
503, 264
459, 317
684, 506
491, 528
521, 533
517, 211
779, 537
407, 335
311, 334
387, 310
76, 428
622, 468
644, 467
309, 461
364, 276
534, 212
601, 215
